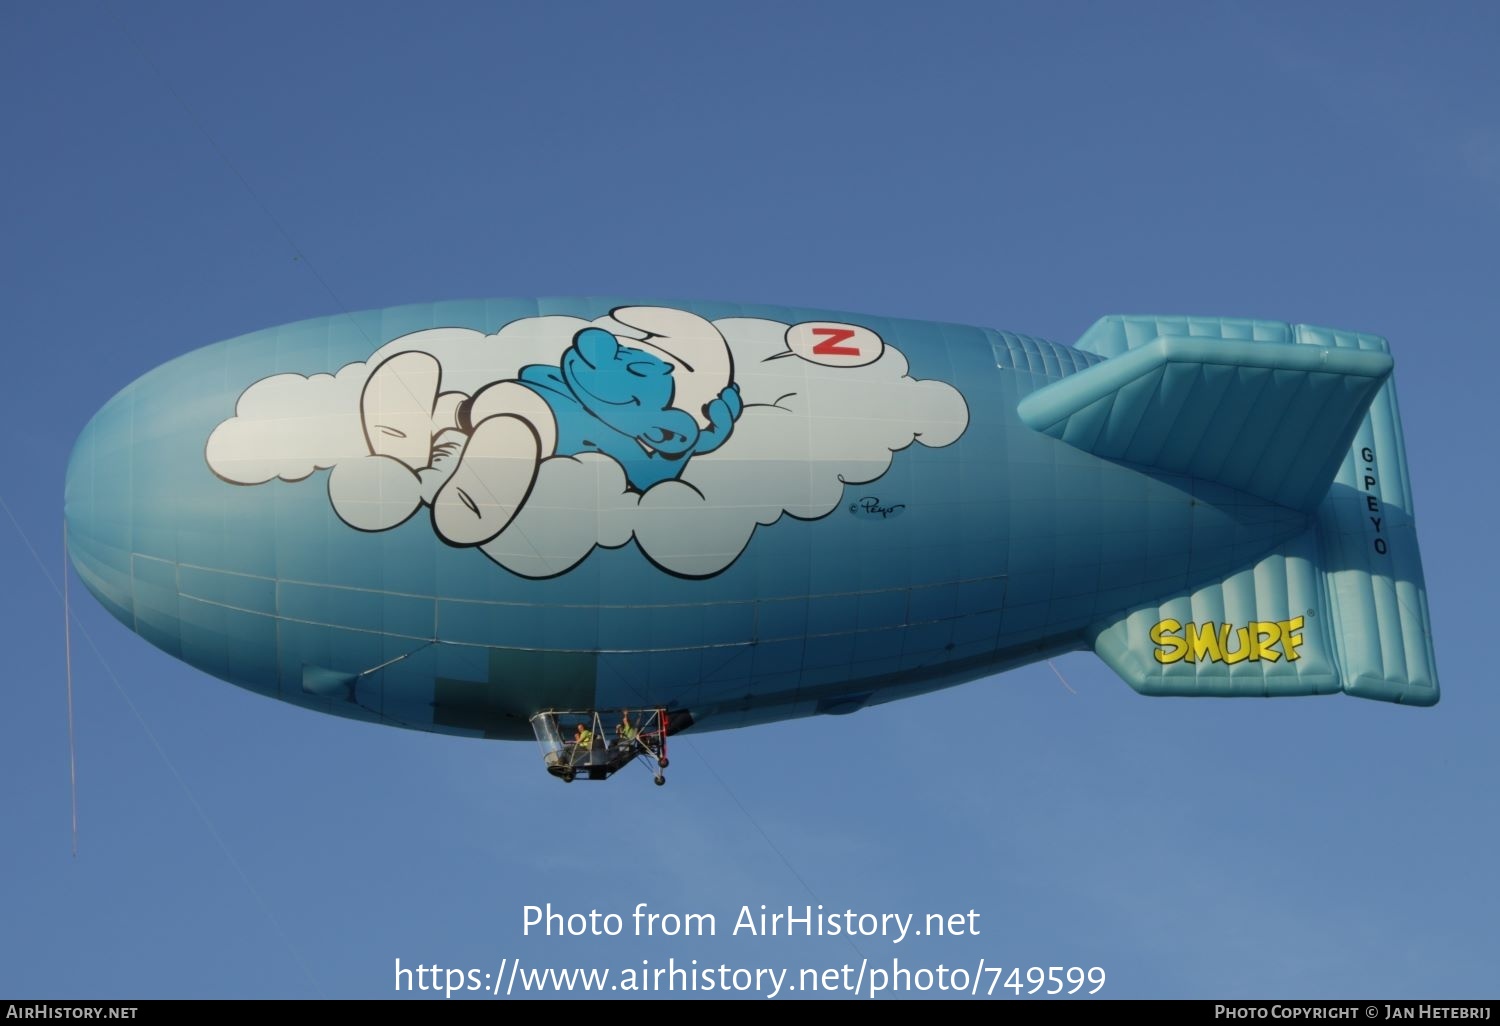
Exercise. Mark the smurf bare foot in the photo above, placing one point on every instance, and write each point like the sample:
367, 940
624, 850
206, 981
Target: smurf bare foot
490, 482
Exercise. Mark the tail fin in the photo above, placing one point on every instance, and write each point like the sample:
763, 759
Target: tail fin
1342, 606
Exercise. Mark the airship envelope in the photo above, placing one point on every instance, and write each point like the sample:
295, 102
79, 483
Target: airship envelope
457, 517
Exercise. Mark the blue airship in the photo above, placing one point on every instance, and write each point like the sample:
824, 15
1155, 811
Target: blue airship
598, 522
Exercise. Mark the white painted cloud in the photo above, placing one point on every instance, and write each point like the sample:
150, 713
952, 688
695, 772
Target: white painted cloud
807, 429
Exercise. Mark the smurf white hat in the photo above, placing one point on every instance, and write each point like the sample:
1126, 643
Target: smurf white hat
693, 346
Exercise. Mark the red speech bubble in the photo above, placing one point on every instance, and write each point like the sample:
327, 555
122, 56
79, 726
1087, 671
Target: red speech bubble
832, 344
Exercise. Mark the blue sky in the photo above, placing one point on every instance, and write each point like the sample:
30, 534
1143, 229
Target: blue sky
177, 174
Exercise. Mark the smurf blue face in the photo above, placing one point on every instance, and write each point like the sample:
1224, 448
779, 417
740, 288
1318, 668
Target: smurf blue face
630, 390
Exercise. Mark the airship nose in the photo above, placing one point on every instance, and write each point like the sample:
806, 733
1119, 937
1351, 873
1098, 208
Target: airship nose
138, 520
97, 507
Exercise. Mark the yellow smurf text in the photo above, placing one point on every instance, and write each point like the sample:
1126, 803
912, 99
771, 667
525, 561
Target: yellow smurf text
1222, 643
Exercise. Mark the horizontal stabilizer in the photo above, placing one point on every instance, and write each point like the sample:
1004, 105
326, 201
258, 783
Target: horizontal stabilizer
1269, 418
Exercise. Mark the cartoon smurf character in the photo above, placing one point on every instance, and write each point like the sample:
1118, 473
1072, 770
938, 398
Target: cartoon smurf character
651, 393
